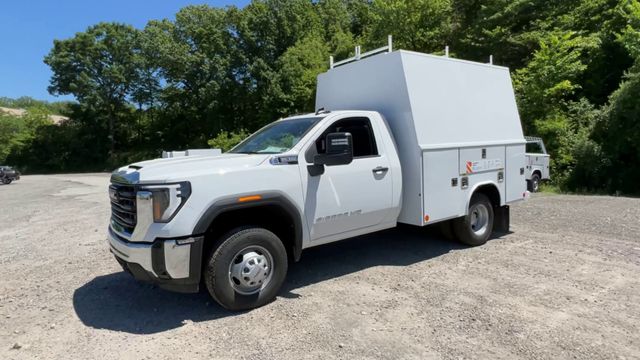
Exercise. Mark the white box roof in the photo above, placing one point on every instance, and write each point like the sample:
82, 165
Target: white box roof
429, 101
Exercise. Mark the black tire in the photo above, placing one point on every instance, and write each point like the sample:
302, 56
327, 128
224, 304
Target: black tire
464, 228
6, 181
535, 183
217, 274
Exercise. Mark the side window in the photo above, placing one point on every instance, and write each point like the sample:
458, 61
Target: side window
364, 142
533, 147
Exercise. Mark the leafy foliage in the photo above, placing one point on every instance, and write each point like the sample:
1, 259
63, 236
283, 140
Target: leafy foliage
212, 72
227, 140
422, 25
27, 103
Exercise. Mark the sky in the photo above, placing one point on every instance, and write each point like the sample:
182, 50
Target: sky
28, 28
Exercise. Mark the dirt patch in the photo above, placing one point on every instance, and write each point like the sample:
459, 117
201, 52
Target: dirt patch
563, 284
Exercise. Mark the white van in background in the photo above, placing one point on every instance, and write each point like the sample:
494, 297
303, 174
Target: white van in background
537, 168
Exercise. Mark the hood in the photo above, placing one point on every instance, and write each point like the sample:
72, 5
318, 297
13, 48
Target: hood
181, 168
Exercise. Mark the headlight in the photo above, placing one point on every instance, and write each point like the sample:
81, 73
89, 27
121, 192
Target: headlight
168, 199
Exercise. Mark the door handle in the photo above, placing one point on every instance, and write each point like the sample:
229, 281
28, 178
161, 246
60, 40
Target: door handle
380, 169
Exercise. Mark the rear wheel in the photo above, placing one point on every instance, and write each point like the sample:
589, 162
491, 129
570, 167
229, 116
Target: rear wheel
475, 228
535, 183
6, 181
247, 269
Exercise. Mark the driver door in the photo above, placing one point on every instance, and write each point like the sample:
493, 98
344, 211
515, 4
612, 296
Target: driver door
347, 198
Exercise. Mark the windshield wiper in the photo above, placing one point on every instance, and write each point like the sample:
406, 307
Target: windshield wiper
255, 152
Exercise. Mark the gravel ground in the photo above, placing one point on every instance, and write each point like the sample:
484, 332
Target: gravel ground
564, 284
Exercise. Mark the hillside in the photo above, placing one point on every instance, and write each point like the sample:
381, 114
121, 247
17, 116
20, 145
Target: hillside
56, 119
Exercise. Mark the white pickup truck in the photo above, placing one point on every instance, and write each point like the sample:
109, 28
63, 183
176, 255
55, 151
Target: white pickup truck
537, 160
399, 137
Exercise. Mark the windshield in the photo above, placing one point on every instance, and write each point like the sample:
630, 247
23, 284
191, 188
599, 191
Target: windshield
276, 138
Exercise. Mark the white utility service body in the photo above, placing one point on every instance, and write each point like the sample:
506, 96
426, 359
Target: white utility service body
538, 161
401, 137
451, 119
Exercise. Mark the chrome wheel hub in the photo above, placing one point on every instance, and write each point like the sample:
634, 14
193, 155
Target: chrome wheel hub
250, 270
479, 219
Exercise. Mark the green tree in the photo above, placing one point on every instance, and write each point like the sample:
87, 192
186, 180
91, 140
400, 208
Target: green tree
17, 132
266, 29
193, 56
510, 30
296, 77
211, 71
420, 25
546, 93
550, 79
618, 132
225, 141
99, 67
12, 129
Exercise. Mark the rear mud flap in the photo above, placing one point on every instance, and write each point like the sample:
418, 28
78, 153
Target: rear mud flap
502, 220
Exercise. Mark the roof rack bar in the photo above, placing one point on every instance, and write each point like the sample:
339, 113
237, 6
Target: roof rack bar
359, 55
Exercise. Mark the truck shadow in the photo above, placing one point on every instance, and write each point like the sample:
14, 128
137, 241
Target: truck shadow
117, 302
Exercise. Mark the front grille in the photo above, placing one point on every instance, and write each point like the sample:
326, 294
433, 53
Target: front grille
123, 207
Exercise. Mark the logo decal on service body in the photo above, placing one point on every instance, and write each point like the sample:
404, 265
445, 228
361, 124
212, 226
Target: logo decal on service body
323, 219
483, 165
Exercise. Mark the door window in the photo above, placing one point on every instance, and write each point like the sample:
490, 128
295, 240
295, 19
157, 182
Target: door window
364, 142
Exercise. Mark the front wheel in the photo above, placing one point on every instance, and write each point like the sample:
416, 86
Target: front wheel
247, 269
475, 228
6, 181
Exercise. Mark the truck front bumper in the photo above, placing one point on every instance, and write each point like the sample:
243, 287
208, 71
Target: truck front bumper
172, 264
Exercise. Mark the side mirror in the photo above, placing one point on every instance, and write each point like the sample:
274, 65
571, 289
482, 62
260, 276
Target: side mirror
339, 150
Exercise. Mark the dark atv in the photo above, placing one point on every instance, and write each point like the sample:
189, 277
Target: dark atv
7, 174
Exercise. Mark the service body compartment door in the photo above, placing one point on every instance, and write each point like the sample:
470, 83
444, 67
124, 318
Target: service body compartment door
483, 165
515, 174
443, 198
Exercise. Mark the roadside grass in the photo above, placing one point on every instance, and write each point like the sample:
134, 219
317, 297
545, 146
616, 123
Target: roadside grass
550, 188
554, 189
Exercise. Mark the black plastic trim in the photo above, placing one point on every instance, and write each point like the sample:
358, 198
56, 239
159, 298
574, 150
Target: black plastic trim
163, 279
181, 286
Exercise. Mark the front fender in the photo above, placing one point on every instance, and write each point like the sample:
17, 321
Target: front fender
232, 202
